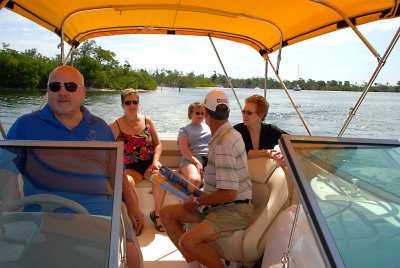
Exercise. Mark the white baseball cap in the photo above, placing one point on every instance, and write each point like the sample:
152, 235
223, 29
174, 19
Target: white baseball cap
215, 98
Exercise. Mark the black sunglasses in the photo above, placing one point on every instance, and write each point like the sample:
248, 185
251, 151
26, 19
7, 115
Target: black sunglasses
199, 113
69, 86
128, 102
247, 112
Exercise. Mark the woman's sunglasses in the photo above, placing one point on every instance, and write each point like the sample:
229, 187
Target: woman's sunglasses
199, 113
247, 112
128, 102
69, 86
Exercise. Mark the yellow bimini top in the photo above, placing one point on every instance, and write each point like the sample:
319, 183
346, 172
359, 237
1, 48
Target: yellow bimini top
265, 25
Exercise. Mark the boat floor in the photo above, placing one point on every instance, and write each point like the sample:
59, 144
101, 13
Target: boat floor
158, 250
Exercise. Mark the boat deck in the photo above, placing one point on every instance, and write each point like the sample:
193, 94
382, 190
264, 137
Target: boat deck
158, 250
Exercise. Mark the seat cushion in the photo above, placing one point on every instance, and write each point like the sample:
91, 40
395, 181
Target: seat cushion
261, 168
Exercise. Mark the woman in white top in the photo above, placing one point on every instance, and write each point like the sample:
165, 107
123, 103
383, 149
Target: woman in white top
193, 143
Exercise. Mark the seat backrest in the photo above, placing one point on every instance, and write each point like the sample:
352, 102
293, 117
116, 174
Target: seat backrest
260, 170
270, 196
171, 154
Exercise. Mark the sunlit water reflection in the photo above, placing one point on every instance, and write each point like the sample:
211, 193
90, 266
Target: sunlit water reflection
324, 111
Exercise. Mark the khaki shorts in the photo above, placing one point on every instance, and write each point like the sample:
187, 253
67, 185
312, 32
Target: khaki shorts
229, 217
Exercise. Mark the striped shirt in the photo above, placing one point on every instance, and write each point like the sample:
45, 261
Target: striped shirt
227, 163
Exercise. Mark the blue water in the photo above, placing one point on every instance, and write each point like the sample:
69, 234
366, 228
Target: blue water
323, 111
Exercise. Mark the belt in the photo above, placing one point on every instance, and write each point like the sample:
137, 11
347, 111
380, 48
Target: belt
245, 201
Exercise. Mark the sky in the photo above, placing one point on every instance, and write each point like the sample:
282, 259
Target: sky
337, 56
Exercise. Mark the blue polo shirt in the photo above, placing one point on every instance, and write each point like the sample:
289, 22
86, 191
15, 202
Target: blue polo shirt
43, 125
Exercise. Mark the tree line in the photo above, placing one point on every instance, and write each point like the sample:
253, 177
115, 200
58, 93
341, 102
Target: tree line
29, 70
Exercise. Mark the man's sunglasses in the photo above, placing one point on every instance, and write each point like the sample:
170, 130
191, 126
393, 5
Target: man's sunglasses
69, 86
128, 102
247, 112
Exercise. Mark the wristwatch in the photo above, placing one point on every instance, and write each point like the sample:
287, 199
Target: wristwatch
196, 203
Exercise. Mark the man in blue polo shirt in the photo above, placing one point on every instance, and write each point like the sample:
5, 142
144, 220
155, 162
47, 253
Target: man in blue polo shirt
65, 119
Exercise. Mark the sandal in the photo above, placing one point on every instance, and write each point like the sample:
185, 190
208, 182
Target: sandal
154, 218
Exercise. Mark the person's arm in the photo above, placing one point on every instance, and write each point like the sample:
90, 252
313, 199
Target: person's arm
9, 192
183, 143
221, 196
114, 127
130, 197
156, 144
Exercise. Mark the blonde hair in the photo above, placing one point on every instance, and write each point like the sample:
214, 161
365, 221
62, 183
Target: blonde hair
261, 103
127, 92
192, 106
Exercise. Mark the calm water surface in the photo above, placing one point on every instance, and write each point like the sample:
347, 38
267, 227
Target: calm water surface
324, 112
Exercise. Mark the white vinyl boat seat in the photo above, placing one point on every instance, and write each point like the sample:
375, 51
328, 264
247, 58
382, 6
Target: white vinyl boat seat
270, 196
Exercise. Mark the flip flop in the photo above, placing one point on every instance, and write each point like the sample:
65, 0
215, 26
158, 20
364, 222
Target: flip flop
154, 218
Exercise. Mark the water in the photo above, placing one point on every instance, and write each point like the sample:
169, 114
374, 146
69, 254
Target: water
324, 111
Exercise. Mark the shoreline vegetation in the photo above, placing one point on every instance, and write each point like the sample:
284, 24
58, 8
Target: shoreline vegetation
30, 70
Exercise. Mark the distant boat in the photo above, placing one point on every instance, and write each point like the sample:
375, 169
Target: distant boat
297, 88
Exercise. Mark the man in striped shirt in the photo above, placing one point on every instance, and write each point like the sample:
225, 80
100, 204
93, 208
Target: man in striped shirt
226, 203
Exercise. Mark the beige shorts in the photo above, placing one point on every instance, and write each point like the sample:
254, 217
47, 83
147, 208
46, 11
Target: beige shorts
229, 217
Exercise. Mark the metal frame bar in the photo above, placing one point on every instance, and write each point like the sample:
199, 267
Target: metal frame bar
310, 206
290, 98
265, 78
2, 4
381, 62
226, 75
351, 25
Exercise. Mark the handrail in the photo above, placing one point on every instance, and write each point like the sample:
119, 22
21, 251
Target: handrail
371, 81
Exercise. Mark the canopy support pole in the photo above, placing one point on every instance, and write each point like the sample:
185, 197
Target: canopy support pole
226, 75
381, 62
64, 60
2, 4
353, 27
288, 95
265, 78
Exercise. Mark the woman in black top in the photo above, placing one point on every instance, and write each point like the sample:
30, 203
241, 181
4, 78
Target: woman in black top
259, 138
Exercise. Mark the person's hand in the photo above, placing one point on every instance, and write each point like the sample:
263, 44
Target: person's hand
278, 157
156, 165
189, 206
199, 168
137, 218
